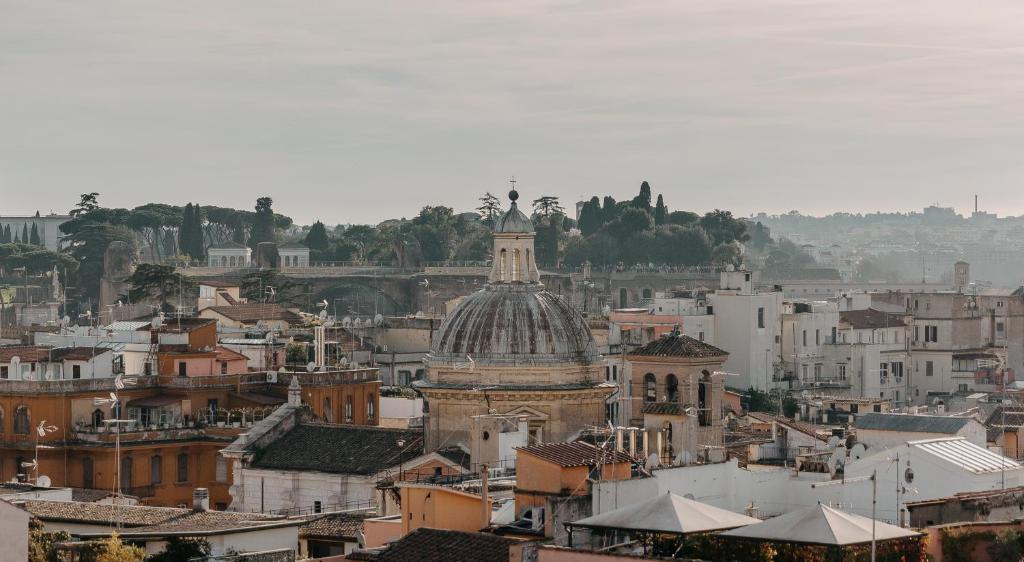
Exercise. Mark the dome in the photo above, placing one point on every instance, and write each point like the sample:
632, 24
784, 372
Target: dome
506, 323
514, 221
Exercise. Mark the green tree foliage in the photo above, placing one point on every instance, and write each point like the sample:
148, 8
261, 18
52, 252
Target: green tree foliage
36, 259
643, 199
434, 231
490, 208
632, 220
660, 211
682, 218
7, 239
179, 549
263, 223
114, 550
42, 545
24, 234
723, 228
591, 217
361, 238
760, 236
681, 245
34, 235
546, 206
88, 202
726, 254
255, 287
609, 209
159, 283
549, 232
316, 238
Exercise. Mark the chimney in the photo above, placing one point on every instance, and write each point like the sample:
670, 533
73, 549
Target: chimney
201, 499
485, 498
294, 392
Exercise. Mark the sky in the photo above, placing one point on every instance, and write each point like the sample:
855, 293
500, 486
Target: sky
360, 111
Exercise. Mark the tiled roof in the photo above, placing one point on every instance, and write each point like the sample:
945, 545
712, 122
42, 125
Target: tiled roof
144, 519
254, 312
1008, 417
576, 453
435, 545
457, 455
77, 353
171, 325
341, 449
911, 423
25, 353
89, 495
870, 319
225, 354
678, 346
346, 525
664, 408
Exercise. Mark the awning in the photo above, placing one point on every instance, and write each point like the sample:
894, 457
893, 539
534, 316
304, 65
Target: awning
156, 401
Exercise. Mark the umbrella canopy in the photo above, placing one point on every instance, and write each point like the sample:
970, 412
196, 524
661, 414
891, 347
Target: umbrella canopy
822, 525
668, 513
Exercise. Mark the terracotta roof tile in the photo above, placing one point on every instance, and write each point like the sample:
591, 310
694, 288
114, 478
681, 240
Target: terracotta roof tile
678, 346
335, 525
871, 319
435, 545
254, 312
576, 453
341, 449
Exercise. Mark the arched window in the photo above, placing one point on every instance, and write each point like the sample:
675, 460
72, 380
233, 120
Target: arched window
515, 265
623, 298
703, 408
371, 407
328, 412
22, 421
97, 417
87, 481
126, 473
348, 409
223, 261
502, 264
650, 392
672, 388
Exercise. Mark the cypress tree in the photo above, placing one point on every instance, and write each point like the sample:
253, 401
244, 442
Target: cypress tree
7, 235
317, 238
660, 212
199, 247
262, 223
24, 234
184, 231
34, 235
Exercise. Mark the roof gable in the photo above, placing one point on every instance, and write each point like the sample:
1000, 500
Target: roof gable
341, 449
678, 345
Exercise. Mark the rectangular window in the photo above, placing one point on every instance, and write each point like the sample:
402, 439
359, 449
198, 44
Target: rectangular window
841, 372
804, 338
883, 371
5, 372
803, 372
854, 408
182, 369
817, 372
318, 506
929, 368
917, 334
700, 336
156, 469
817, 337
183, 467
760, 317
896, 368
223, 367
221, 470
962, 388
76, 371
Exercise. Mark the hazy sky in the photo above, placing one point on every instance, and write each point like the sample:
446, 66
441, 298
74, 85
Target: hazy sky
357, 111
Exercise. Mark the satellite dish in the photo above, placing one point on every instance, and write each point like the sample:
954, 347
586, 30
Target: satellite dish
43, 481
378, 320
310, 367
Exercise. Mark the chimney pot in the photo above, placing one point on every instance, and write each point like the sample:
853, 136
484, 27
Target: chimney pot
201, 499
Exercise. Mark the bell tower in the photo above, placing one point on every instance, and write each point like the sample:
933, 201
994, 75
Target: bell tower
514, 261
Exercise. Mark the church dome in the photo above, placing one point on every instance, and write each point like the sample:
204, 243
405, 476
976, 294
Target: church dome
513, 221
511, 323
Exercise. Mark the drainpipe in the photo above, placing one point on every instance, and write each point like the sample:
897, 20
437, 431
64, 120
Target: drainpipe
485, 500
